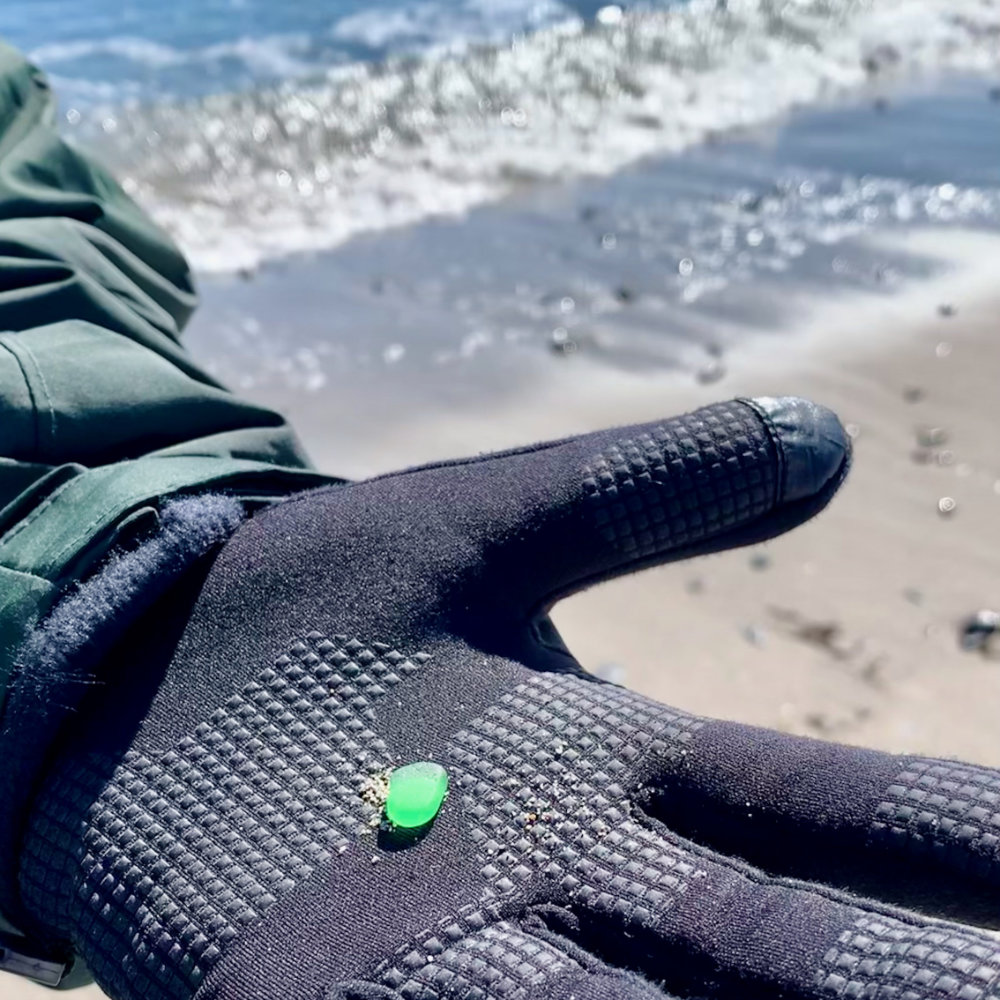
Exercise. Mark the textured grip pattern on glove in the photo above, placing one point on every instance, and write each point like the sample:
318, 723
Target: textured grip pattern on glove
498, 961
886, 958
688, 479
154, 864
539, 776
944, 807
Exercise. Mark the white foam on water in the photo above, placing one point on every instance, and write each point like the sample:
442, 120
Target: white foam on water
240, 178
447, 25
138, 50
278, 56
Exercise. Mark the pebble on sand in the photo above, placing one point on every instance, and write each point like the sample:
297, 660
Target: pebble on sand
711, 372
980, 631
931, 437
947, 506
914, 393
946, 310
614, 673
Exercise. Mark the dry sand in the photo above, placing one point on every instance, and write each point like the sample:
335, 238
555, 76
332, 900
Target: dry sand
846, 628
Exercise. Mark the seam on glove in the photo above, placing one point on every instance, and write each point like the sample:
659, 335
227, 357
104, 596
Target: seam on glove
779, 445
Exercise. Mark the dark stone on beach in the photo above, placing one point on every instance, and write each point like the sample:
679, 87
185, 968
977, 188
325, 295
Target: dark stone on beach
562, 343
931, 437
760, 561
712, 372
995, 94
880, 58
588, 213
881, 105
929, 447
914, 393
625, 294
980, 632
946, 311
246, 274
646, 121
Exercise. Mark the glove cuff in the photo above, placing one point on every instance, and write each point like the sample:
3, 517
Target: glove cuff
61, 659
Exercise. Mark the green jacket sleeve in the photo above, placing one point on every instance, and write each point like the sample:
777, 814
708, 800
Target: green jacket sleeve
102, 412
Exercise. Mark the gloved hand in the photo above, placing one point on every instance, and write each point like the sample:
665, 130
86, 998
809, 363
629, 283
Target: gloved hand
210, 823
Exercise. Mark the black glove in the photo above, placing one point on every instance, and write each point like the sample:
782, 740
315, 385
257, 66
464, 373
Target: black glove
210, 822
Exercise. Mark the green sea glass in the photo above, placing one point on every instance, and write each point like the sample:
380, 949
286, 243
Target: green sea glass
416, 792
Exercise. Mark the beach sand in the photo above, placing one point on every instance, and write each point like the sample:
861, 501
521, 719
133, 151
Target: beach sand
847, 628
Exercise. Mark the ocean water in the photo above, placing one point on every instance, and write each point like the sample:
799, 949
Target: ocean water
254, 129
111, 50
671, 265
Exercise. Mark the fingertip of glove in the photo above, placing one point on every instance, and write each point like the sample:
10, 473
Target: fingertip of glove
813, 443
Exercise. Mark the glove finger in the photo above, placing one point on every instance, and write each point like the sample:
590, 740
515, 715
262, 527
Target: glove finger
738, 933
913, 831
558, 517
554, 782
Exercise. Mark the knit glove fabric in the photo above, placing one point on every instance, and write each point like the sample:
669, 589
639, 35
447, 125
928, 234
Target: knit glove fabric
210, 823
